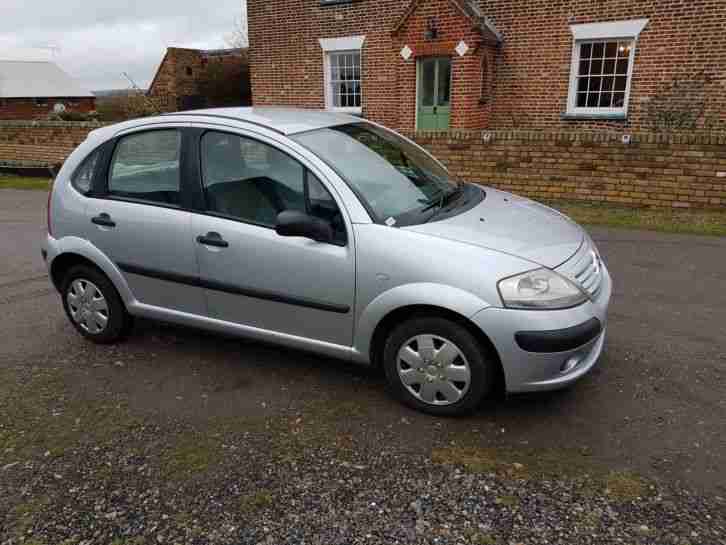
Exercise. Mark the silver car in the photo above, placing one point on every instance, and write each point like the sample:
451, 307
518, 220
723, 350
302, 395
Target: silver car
327, 233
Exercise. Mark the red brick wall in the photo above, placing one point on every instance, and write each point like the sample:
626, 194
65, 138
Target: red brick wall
684, 39
26, 108
655, 170
172, 81
673, 171
40, 142
183, 72
286, 61
452, 26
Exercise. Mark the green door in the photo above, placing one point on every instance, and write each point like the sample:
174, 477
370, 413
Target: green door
434, 93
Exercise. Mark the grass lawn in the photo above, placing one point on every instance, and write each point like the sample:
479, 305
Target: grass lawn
698, 222
21, 182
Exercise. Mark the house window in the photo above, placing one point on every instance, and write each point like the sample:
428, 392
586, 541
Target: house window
602, 74
342, 63
602, 68
345, 79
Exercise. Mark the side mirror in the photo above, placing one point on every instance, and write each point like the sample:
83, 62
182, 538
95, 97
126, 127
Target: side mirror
291, 223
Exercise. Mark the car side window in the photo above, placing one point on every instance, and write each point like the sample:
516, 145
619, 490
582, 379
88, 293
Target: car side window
83, 176
249, 180
322, 205
145, 166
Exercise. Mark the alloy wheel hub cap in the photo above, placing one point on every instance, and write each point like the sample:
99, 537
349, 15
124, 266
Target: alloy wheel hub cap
87, 305
433, 369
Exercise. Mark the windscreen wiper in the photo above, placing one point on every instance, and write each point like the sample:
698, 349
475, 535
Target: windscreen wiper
444, 198
436, 200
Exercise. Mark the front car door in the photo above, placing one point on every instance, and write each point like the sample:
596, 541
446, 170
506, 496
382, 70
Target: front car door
434, 93
252, 275
139, 219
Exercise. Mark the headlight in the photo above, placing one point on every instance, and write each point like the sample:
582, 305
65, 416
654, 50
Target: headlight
540, 289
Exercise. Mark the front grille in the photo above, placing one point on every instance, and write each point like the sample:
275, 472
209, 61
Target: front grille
584, 268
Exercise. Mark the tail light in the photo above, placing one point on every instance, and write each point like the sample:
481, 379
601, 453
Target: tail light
48, 218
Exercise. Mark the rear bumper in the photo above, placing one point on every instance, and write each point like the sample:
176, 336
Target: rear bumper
548, 349
48, 250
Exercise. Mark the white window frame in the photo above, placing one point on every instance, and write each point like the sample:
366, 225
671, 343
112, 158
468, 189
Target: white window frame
348, 44
598, 32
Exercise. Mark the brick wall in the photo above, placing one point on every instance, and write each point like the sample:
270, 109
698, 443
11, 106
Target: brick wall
466, 71
28, 108
286, 61
683, 40
655, 170
165, 89
659, 170
40, 142
183, 79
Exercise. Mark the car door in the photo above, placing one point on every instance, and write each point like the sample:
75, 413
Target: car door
252, 275
140, 219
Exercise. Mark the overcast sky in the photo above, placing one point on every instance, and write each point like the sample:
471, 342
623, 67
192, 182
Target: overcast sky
97, 40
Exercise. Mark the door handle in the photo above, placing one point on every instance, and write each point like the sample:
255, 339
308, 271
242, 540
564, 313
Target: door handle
104, 220
212, 239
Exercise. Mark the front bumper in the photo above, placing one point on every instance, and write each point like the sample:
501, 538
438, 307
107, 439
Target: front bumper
555, 333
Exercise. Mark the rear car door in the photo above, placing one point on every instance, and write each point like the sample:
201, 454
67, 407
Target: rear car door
140, 219
252, 275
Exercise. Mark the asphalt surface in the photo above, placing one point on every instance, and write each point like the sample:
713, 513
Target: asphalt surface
656, 404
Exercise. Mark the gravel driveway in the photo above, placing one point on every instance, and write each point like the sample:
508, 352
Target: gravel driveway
177, 436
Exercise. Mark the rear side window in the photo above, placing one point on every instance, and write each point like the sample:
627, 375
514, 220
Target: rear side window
145, 167
83, 176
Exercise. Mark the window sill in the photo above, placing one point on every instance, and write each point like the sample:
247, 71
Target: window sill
326, 3
349, 111
571, 116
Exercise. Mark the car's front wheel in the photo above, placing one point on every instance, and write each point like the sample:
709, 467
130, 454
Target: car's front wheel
437, 366
93, 305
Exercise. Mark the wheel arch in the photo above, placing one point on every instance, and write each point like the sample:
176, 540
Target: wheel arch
386, 325
63, 263
405, 302
71, 251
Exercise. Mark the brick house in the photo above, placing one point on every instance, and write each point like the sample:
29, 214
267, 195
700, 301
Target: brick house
32, 87
195, 78
494, 64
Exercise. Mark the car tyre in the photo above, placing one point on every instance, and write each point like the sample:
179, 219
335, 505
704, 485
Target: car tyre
433, 354
93, 305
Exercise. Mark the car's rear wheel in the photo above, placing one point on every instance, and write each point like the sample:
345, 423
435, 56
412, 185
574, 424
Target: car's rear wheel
93, 305
437, 366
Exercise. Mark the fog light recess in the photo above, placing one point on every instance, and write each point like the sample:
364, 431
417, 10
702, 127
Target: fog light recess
570, 364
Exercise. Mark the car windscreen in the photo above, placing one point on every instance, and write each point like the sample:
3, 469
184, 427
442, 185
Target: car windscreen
395, 178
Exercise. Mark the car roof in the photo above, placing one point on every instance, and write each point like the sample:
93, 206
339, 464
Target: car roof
283, 120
